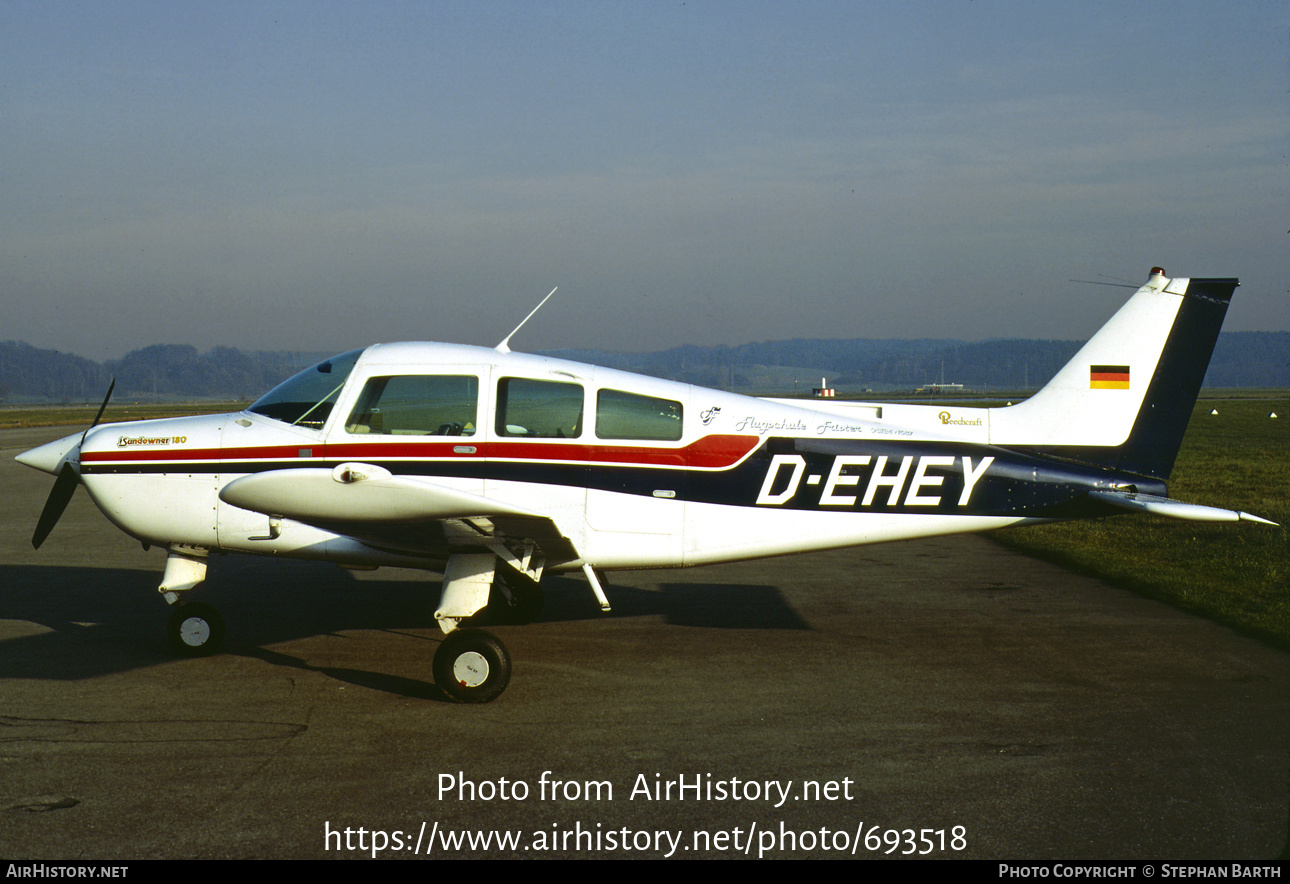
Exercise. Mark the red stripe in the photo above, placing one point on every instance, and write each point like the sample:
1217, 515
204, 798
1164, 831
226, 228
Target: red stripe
710, 452
189, 455
377, 451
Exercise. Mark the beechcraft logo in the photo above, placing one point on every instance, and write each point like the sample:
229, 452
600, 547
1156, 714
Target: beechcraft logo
1108, 377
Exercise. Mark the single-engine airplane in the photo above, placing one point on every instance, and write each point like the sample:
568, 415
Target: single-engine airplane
484, 464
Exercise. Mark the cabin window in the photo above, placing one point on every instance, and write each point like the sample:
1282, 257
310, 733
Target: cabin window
542, 409
417, 405
621, 415
307, 398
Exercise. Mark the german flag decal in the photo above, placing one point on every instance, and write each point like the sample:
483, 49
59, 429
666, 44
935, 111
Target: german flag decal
1108, 377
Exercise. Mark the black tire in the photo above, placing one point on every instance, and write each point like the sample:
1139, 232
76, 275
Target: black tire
523, 607
195, 630
472, 666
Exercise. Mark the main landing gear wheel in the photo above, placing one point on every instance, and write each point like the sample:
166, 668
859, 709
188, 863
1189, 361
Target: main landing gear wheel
523, 606
472, 666
195, 630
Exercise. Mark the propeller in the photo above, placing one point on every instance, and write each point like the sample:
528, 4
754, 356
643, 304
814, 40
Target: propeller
59, 497
65, 484
102, 408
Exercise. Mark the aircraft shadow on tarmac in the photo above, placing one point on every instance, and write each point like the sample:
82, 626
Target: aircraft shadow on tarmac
104, 620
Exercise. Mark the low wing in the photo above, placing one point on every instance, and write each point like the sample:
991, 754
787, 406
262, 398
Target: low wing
389, 512
1174, 509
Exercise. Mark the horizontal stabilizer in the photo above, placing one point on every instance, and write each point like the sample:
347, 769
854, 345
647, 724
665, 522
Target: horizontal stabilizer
1174, 509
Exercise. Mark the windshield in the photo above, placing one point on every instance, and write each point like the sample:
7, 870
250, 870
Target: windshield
306, 399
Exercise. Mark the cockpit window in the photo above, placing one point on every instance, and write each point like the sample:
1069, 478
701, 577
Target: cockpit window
417, 405
306, 400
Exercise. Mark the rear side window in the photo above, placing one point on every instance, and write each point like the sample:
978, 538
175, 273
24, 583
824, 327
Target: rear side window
541, 409
621, 415
417, 405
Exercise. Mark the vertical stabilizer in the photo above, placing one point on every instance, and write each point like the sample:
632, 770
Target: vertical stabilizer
1124, 400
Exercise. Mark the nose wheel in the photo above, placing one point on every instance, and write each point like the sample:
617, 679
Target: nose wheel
195, 630
472, 666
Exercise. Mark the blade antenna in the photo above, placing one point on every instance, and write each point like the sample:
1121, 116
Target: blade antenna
504, 346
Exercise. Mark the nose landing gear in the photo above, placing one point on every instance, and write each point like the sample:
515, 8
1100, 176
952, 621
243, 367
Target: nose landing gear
195, 630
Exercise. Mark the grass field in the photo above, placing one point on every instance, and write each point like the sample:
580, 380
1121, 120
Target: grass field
1234, 573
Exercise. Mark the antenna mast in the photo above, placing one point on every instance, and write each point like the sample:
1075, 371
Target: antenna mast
504, 346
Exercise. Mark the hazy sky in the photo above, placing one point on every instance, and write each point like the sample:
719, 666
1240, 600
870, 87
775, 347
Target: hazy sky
320, 176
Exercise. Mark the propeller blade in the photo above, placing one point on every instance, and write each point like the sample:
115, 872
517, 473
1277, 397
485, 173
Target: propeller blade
102, 408
68, 478
59, 497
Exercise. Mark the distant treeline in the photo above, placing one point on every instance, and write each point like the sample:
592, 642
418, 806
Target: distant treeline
173, 371
162, 371
1241, 359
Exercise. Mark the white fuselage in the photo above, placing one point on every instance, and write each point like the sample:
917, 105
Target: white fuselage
621, 502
